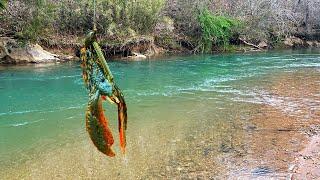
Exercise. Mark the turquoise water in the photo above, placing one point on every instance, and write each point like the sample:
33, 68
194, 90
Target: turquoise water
42, 109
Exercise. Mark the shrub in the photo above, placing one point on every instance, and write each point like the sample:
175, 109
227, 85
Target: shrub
40, 23
116, 19
143, 14
216, 30
3, 4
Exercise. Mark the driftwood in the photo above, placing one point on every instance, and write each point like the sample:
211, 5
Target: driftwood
249, 44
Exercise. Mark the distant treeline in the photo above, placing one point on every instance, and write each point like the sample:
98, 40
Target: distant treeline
197, 24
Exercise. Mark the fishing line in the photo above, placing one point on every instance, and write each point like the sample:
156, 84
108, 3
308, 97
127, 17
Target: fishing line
94, 16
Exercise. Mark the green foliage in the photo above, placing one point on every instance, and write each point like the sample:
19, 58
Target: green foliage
216, 30
166, 41
41, 22
143, 14
229, 48
74, 17
123, 18
116, 19
3, 4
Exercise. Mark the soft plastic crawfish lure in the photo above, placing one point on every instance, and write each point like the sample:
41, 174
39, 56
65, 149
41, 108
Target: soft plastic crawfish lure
101, 86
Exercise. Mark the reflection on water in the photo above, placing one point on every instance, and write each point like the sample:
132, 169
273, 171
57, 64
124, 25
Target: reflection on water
189, 117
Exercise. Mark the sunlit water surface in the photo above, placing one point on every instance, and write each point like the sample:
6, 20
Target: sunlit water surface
189, 117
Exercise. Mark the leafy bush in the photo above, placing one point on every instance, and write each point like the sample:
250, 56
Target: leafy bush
216, 30
40, 24
3, 4
116, 19
143, 14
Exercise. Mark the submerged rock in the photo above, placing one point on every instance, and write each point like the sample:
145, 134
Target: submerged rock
12, 53
260, 171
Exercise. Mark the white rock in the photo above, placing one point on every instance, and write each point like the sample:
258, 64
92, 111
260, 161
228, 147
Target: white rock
137, 56
12, 52
39, 54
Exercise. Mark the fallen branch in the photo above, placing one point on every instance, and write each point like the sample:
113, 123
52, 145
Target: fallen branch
249, 44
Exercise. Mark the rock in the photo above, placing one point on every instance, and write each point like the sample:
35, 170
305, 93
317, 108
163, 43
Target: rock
11, 53
137, 56
67, 58
5, 46
288, 42
310, 43
259, 171
18, 55
291, 167
168, 168
263, 45
294, 42
38, 54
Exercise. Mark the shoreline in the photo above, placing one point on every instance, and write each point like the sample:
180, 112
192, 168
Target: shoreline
12, 53
155, 57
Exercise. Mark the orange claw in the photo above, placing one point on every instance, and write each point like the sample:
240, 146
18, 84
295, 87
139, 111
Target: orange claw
97, 126
122, 117
122, 120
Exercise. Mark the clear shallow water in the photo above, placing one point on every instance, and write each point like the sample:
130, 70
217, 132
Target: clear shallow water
187, 115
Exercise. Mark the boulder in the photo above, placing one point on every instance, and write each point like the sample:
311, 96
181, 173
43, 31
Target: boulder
310, 43
263, 45
315, 44
38, 54
137, 56
294, 42
11, 53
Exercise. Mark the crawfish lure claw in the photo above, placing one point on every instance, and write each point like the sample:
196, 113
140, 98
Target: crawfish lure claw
99, 81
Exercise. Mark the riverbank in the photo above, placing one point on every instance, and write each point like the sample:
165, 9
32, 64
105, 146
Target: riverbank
138, 48
133, 29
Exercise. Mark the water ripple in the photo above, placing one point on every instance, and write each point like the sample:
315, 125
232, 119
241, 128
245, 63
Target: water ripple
23, 123
42, 111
